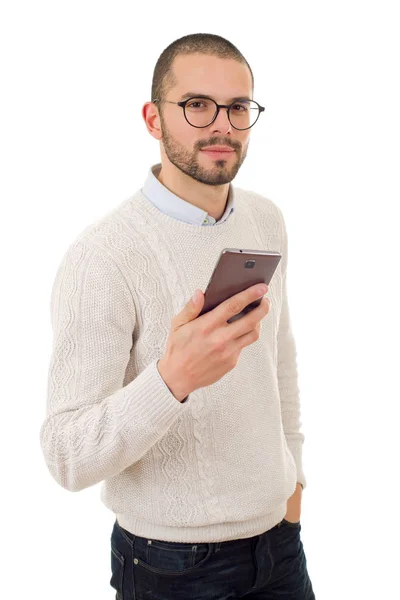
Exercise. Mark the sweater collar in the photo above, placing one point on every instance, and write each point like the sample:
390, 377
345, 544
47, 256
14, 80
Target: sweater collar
176, 207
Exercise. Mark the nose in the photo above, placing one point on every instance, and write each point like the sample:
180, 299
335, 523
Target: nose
221, 122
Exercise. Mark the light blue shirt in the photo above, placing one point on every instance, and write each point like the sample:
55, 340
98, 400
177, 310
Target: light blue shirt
176, 207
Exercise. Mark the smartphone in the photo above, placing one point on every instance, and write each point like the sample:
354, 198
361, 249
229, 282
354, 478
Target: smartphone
235, 271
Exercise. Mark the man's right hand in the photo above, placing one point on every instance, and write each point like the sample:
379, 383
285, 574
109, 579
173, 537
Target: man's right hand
201, 350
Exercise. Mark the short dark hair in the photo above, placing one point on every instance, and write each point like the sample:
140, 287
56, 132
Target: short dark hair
194, 43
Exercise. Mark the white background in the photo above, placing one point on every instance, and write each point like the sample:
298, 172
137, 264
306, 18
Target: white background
75, 76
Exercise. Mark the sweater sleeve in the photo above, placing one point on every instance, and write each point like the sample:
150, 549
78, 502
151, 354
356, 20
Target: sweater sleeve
287, 372
95, 427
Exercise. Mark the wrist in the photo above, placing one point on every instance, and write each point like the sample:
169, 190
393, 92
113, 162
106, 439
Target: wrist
176, 390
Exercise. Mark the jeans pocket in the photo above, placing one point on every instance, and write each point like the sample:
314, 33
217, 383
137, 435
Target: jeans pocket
172, 558
117, 571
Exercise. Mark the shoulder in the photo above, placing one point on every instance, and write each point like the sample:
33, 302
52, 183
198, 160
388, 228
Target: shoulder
95, 251
262, 208
108, 237
103, 230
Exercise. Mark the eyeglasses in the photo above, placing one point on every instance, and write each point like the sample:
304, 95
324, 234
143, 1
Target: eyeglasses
201, 112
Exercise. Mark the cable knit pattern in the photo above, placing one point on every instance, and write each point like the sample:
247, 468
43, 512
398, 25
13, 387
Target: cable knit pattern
222, 464
164, 252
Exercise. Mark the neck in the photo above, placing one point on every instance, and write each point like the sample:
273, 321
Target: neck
210, 198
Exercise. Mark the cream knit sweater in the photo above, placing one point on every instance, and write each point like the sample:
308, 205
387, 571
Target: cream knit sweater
217, 467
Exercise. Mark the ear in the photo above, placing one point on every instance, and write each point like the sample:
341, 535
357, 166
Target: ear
151, 118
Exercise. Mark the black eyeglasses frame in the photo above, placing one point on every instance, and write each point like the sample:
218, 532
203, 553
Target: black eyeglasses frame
183, 103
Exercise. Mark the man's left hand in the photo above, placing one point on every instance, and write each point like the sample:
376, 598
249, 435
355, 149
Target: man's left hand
293, 505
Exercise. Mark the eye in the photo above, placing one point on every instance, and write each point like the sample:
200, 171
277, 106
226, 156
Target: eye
240, 106
190, 104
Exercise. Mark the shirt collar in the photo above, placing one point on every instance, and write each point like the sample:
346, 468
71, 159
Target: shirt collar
176, 207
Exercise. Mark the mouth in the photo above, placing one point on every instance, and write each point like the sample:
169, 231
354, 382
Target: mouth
219, 153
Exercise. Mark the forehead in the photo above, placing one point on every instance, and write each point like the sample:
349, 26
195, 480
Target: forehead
220, 78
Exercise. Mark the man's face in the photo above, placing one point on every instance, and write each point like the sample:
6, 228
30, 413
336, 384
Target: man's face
221, 80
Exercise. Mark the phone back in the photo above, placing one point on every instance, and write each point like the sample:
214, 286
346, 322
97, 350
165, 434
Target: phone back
237, 270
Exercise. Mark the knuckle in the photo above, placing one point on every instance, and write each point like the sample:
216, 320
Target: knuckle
256, 333
234, 306
234, 360
204, 328
255, 319
219, 342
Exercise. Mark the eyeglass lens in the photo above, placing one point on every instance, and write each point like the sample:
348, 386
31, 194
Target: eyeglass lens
201, 111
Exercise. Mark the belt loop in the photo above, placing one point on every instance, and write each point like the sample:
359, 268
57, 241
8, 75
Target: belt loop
217, 546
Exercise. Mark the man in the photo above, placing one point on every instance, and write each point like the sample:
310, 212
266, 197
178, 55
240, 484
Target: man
191, 422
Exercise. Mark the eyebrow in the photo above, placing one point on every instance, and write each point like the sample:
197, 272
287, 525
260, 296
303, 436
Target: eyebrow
196, 95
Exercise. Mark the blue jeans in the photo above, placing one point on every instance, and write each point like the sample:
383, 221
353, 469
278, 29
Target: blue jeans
269, 566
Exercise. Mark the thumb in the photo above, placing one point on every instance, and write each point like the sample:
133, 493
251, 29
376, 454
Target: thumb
191, 309
197, 300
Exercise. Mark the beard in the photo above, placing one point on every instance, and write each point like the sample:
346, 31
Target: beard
218, 173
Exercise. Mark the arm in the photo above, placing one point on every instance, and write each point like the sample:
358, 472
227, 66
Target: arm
95, 427
287, 373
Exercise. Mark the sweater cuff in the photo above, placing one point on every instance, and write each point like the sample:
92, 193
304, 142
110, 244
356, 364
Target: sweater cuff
167, 388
